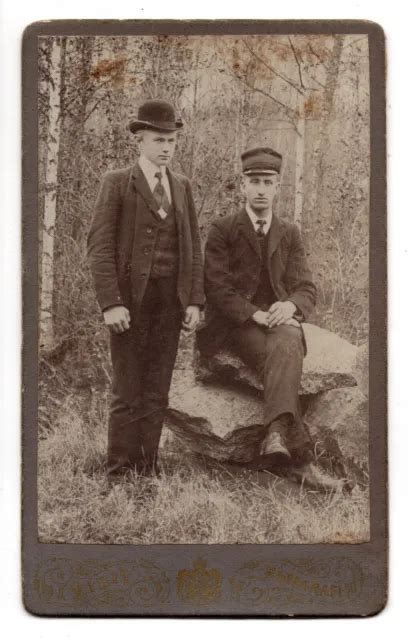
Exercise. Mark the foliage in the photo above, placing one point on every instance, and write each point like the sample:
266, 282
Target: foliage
232, 92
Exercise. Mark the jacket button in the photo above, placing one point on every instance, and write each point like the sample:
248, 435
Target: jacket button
149, 229
146, 251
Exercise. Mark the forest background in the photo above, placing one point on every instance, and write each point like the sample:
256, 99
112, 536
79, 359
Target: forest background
307, 96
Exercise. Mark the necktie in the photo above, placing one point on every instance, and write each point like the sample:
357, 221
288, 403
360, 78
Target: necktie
261, 224
160, 194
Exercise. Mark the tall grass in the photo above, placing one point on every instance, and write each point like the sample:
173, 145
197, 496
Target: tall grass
191, 502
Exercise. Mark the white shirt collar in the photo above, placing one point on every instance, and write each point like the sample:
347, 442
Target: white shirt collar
149, 168
254, 218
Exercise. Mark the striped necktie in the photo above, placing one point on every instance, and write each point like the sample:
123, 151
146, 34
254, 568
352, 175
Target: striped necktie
259, 231
160, 195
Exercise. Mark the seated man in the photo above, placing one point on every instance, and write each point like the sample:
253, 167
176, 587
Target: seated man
258, 290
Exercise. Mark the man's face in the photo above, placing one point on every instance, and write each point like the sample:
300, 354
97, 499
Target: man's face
158, 146
260, 190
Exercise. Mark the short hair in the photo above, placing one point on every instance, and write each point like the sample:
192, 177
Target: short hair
140, 132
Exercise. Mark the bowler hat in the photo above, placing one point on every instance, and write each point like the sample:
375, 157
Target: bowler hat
261, 160
156, 114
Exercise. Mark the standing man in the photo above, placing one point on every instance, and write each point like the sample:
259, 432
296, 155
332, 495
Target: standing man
259, 289
145, 256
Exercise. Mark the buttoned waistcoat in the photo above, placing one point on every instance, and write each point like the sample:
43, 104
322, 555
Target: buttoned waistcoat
232, 271
122, 239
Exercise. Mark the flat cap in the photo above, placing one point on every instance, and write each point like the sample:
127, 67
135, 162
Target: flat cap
261, 160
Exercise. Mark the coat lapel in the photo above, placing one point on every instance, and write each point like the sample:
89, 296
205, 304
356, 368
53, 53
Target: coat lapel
178, 194
276, 231
141, 185
176, 188
248, 231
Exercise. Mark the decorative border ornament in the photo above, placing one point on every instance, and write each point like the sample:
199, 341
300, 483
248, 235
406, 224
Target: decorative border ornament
294, 581
92, 584
199, 585
95, 583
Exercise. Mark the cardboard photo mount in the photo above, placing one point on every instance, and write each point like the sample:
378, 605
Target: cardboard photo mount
207, 580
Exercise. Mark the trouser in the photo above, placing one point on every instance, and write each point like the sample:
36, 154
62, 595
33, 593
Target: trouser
277, 356
143, 358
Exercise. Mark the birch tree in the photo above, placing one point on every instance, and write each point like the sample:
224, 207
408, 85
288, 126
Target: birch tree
50, 199
300, 158
313, 200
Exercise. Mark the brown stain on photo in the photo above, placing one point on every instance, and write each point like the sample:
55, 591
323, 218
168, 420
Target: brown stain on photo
110, 69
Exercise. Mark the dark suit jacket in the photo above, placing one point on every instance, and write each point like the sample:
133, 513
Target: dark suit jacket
122, 235
232, 271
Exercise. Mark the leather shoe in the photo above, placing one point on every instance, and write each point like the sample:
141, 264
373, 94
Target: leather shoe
273, 450
274, 444
311, 476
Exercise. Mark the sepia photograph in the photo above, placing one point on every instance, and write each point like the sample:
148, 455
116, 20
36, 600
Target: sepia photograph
203, 289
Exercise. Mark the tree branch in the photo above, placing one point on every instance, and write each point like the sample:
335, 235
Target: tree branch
297, 62
288, 110
273, 70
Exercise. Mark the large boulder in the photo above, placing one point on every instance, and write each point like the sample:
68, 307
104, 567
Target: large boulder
217, 410
361, 370
219, 422
338, 423
329, 364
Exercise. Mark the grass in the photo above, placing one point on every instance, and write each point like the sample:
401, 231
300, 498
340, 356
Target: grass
192, 502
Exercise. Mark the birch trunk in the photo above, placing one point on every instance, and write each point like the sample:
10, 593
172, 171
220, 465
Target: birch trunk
300, 158
50, 199
322, 141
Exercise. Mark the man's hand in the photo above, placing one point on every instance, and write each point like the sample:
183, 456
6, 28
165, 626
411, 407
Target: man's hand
281, 312
117, 319
191, 319
261, 318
